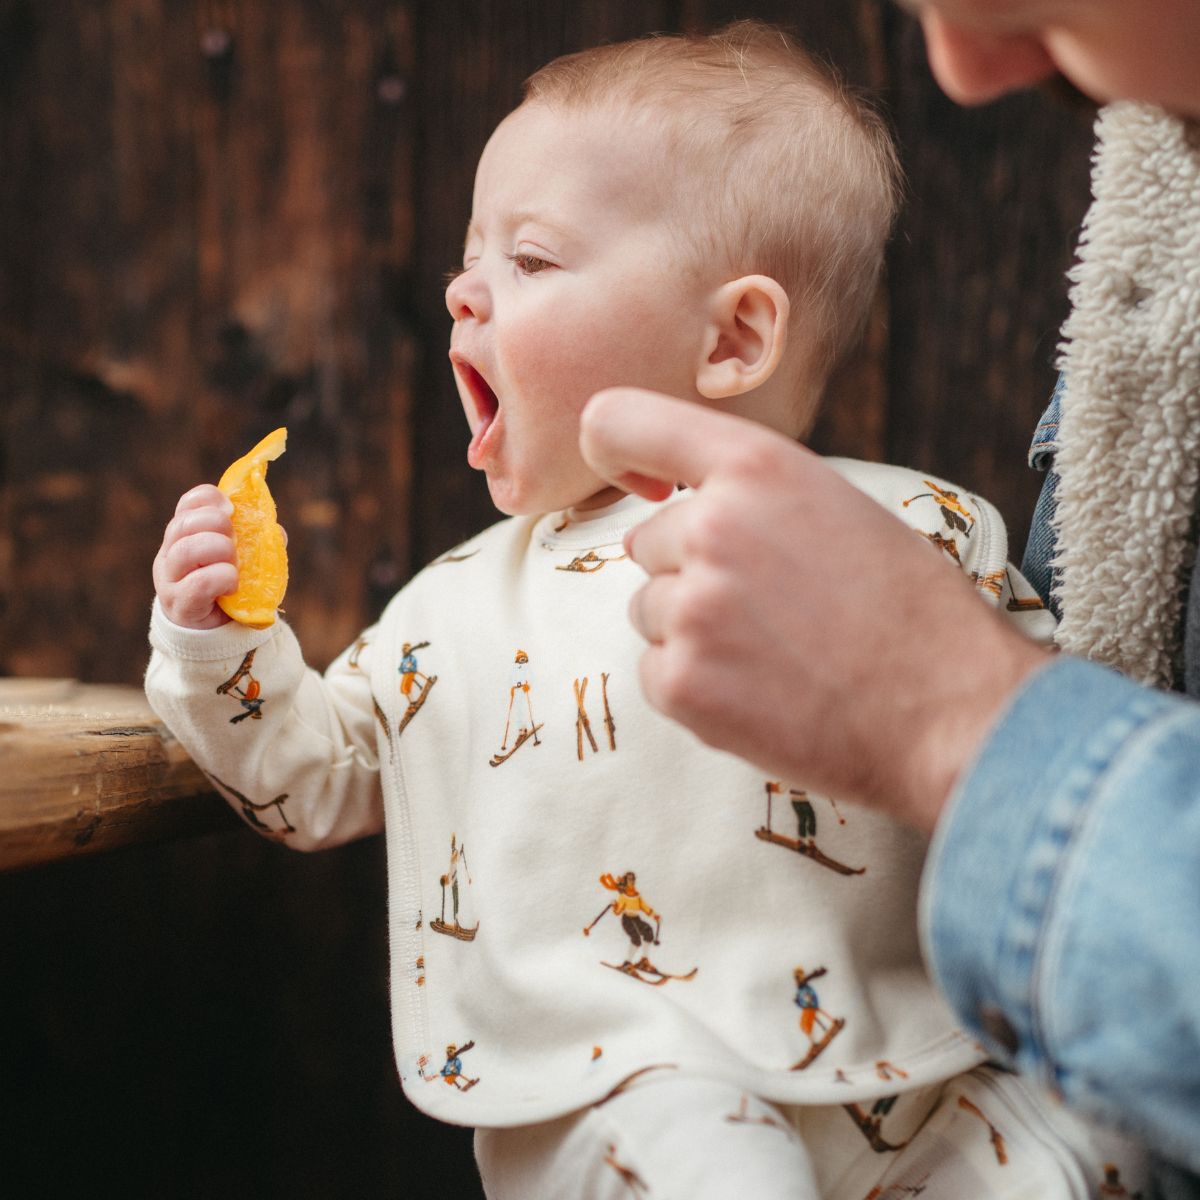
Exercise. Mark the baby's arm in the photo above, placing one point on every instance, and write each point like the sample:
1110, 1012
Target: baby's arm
293, 751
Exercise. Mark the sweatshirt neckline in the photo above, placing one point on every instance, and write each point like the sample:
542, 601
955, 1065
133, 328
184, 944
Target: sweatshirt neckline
572, 529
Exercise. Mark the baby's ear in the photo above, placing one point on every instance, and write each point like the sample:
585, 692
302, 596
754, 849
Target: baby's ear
745, 337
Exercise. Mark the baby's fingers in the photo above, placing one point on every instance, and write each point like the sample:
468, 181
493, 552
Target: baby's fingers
192, 551
198, 519
204, 495
191, 571
192, 601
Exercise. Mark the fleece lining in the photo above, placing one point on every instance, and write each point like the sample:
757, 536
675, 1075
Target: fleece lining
1129, 457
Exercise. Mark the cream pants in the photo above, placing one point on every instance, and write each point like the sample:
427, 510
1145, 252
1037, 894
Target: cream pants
981, 1136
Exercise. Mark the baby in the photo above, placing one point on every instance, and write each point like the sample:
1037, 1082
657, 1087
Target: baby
637, 967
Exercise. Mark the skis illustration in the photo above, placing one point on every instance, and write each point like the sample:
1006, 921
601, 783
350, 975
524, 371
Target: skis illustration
454, 931
522, 737
646, 972
609, 724
414, 706
808, 849
838, 1025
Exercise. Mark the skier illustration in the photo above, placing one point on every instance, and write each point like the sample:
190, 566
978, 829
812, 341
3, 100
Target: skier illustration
994, 1134
590, 563
813, 1016
519, 683
249, 697
805, 841
743, 1117
1015, 603
250, 809
629, 906
953, 513
415, 685
991, 583
629, 1177
450, 879
452, 1070
870, 1125
946, 545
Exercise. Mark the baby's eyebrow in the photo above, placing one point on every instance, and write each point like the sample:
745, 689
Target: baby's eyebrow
523, 216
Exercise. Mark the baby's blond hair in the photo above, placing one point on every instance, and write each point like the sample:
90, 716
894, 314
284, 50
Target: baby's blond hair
780, 168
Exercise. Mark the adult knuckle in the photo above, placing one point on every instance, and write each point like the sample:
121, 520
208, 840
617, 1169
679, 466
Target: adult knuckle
755, 457
706, 534
700, 608
674, 681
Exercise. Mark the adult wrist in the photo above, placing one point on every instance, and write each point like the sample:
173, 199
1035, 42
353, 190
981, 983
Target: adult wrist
965, 716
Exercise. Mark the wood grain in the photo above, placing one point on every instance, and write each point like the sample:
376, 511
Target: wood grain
86, 768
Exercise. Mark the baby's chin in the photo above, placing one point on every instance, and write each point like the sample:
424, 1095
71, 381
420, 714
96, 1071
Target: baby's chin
533, 500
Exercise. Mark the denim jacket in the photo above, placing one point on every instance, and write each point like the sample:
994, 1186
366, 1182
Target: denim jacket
1061, 900
1039, 551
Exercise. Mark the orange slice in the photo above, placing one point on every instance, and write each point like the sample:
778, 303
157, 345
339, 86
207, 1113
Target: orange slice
261, 551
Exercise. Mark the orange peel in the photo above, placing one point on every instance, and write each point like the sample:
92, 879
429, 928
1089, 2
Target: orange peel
258, 538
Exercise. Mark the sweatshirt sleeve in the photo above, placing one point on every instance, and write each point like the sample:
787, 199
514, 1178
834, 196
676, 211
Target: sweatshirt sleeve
293, 751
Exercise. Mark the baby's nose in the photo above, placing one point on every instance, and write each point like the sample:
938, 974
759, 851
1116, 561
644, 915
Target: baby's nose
466, 296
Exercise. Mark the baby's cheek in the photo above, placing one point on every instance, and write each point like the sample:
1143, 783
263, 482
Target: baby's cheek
562, 366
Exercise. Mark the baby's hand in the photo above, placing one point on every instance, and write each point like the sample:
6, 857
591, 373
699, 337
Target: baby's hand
197, 562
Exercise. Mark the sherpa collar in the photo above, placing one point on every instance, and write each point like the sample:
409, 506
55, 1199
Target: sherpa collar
1129, 456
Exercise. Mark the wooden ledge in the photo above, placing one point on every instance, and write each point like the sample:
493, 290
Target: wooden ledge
88, 767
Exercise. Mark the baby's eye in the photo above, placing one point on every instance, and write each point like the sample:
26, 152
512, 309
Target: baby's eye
529, 264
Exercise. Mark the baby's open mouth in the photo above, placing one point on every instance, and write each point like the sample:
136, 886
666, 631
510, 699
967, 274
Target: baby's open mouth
486, 404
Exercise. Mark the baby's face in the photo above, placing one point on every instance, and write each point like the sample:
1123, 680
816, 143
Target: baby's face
572, 282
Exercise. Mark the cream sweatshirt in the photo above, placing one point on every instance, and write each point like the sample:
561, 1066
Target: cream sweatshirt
579, 890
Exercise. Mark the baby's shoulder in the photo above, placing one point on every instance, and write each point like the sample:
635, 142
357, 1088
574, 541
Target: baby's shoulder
954, 519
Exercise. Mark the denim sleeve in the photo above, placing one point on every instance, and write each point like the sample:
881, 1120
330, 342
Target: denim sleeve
1061, 900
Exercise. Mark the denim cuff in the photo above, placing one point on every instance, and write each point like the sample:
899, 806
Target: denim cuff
1060, 899
1044, 445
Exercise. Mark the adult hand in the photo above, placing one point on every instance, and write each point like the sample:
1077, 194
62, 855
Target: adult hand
793, 621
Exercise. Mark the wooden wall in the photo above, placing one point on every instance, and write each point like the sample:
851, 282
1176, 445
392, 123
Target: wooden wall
221, 216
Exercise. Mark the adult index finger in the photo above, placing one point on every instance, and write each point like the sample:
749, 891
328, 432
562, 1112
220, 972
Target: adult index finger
646, 442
